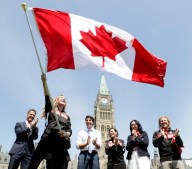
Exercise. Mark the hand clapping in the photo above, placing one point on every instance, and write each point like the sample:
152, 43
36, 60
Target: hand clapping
34, 122
116, 141
162, 132
176, 132
88, 140
94, 141
134, 133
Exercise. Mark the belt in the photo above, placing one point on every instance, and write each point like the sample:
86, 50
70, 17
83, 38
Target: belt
86, 151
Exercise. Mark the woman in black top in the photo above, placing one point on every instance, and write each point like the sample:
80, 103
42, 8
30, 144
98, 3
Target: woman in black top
169, 144
137, 143
53, 141
115, 148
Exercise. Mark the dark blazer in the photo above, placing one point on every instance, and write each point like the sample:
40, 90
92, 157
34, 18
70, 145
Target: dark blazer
140, 143
24, 139
169, 149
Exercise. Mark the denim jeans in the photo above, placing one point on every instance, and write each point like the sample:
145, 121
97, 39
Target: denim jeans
88, 161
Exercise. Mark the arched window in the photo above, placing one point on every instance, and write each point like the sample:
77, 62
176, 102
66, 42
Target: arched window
109, 116
100, 115
108, 127
5, 160
102, 128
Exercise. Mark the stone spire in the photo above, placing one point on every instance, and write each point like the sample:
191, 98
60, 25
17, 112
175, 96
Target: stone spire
103, 86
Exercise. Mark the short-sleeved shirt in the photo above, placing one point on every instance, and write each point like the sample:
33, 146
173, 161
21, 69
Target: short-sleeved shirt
83, 135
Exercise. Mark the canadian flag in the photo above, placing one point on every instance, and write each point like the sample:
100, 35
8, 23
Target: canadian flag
75, 42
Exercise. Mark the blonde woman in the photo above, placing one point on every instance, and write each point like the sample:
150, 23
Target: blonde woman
169, 144
53, 141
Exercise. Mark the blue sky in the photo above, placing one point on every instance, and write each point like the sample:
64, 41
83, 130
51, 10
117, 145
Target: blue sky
163, 27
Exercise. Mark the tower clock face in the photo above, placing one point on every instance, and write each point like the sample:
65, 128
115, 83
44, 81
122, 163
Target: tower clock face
104, 100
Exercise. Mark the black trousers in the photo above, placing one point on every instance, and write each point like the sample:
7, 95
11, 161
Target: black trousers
56, 148
118, 166
51, 162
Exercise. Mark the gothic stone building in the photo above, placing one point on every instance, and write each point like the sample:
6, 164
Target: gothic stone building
104, 117
4, 159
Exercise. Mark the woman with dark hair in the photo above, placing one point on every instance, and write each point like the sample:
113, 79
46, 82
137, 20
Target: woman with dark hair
53, 141
137, 143
115, 148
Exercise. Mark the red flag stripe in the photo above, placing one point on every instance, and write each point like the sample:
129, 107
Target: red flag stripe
147, 67
57, 39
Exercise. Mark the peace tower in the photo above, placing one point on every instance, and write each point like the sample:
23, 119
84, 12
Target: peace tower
104, 117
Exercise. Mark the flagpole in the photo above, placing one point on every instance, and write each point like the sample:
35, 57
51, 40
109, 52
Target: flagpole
24, 6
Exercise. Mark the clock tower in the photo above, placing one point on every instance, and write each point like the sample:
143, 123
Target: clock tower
104, 117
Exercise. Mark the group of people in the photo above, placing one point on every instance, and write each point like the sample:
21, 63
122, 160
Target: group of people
55, 142
168, 142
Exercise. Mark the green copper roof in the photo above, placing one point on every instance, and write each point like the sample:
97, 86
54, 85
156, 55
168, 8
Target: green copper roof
103, 86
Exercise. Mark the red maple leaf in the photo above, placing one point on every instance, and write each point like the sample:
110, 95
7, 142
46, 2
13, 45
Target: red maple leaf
103, 44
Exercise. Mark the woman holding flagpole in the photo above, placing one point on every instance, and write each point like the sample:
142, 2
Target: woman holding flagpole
56, 139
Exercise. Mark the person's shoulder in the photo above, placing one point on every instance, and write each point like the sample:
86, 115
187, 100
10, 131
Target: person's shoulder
144, 132
129, 136
106, 141
22, 122
82, 131
156, 132
121, 140
69, 118
97, 131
